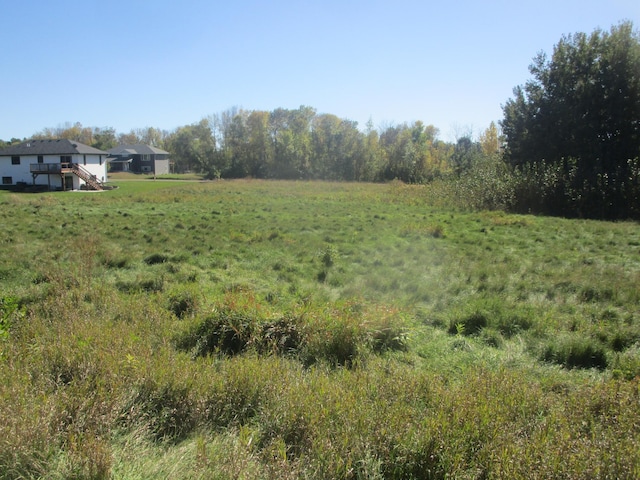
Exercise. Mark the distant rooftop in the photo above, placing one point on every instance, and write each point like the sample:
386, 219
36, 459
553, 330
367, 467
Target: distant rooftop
138, 149
50, 147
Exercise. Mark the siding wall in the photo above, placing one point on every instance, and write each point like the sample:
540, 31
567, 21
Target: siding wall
22, 173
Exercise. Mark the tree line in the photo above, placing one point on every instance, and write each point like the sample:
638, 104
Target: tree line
302, 144
297, 144
568, 144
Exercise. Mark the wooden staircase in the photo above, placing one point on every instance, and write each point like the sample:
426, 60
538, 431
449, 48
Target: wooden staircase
91, 180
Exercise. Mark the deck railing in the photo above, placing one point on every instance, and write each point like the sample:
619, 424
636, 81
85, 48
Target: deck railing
47, 167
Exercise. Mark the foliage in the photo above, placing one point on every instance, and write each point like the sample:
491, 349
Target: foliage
574, 127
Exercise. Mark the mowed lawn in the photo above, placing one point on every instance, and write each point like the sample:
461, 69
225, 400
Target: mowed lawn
259, 329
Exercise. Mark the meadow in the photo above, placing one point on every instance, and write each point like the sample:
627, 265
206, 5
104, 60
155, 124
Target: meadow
272, 329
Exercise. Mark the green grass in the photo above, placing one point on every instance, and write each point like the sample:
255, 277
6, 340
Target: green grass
253, 329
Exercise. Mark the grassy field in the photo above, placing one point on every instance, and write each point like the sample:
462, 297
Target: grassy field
253, 329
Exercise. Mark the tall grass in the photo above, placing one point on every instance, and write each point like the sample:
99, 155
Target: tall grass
312, 330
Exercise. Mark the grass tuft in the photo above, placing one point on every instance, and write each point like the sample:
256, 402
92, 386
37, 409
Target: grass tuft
574, 351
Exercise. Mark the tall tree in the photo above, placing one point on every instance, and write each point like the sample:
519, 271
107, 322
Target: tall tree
152, 136
259, 150
130, 138
411, 152
581, 113
192, 148
490, 140
104, 138
465, 154
290, 132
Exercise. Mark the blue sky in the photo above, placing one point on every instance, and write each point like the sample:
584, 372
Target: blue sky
138, 63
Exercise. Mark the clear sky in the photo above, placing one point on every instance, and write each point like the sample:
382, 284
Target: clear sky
131, 64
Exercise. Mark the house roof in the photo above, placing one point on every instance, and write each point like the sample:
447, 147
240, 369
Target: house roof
50, 147
119, 160
138, 149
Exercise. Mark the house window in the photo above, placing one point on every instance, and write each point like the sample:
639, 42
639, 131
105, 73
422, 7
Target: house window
15, 160
7, 180
100, 157
40, 159
65, 158
84, 159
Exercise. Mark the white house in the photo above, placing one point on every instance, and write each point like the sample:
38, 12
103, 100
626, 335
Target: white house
59, 164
